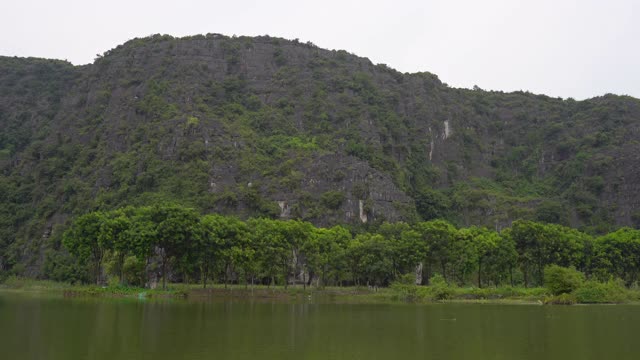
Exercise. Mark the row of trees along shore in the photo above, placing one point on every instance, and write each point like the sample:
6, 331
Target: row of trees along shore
177, 242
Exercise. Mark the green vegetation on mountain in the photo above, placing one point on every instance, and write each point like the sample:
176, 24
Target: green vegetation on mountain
269, 128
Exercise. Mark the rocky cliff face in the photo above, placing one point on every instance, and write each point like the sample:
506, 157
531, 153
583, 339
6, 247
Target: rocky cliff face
270, 127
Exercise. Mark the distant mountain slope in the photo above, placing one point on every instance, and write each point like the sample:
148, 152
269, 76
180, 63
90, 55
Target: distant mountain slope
270, 127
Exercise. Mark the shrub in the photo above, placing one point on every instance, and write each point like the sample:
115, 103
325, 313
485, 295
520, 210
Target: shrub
439, 289
562, 299
60, 266
133, 270
332, 199
404, 292
561, 280
407, 279
593, 292
405, 289
113, 281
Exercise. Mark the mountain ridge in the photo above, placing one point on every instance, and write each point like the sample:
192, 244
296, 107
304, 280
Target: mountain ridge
312, 45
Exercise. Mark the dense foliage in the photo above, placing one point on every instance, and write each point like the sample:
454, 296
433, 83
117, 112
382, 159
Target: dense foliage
175, 241
269, 128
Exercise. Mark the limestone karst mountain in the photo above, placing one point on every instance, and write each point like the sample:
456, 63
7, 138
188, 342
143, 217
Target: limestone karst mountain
270, 127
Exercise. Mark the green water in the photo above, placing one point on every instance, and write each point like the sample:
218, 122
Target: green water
36, 327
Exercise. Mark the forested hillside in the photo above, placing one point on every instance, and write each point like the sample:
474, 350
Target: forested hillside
267, 127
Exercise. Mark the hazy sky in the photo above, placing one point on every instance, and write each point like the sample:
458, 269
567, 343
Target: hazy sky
560, 48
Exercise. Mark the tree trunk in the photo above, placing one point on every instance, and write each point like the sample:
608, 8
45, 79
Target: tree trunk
121, 265
144, 278
205, 272
164, 274
286, 277
480, 273
311, 275
540, 275
225, 276
97, 272
97, 256
295, 270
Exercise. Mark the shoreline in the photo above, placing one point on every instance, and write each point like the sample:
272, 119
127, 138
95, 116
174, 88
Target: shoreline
278, 295
403, 294
297, 294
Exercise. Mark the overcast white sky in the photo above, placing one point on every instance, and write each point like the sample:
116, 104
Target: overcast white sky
565, 48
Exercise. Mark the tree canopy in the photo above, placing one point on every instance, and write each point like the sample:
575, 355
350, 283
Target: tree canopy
177, 242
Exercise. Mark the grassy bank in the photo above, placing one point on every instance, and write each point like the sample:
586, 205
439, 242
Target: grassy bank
74, 290
365, 295
397, 293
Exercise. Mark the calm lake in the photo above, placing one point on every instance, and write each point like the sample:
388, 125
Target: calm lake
38, 327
